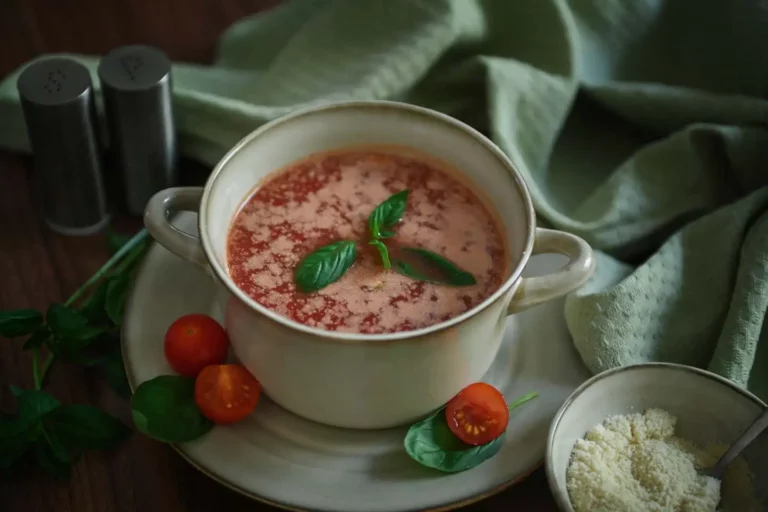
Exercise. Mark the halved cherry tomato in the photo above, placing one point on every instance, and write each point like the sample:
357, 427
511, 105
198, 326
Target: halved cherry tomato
478, 414
226, 393
193, 342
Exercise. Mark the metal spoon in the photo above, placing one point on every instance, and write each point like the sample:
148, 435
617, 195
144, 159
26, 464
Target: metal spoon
749, 435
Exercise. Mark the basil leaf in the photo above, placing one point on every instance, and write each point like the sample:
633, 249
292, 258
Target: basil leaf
79, 350
164, 409
39, 338
33, 406
445, 272
65, 322
93, 307
19, 432
48, 460
431, 443
387, 214
325, 265
71, 331
57, 448
83, 427
117, 292
383, 252
14, 440
112, 371
19, 322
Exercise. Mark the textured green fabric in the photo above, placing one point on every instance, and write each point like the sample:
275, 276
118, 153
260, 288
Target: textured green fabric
640, 125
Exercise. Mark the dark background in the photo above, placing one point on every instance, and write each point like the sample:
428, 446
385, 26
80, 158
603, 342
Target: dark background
38, 267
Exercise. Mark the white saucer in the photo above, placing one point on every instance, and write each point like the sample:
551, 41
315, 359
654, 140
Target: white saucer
287, 461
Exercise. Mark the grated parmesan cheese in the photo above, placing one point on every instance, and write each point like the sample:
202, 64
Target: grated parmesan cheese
634, 463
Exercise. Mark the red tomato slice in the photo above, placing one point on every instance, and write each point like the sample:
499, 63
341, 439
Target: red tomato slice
478, 414
226, 393
193, 342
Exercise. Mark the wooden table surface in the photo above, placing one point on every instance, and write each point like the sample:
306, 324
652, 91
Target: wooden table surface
38, 267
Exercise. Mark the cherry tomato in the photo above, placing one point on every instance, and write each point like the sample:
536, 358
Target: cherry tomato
226, 393
193, 342
478, 414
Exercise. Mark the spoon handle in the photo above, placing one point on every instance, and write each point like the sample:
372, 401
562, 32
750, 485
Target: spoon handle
749, 435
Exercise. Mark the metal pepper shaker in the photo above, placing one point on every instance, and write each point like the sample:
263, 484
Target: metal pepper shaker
57, 100
136, 83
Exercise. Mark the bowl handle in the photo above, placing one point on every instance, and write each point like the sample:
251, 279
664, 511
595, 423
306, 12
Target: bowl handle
160, 208
532, 291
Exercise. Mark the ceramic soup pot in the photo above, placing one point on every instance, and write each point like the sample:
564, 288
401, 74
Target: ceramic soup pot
374, 380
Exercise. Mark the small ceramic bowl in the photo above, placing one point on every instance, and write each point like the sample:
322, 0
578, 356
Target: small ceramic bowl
709, 409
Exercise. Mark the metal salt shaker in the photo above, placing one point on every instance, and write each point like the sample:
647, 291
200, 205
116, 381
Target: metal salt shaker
57, 100
136, 84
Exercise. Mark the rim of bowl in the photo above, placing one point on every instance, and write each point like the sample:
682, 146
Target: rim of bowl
564, 502
416, 334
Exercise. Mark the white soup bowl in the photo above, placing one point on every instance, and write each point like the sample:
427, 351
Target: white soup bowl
358, 380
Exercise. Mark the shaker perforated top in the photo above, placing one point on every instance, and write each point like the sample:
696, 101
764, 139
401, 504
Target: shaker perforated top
134, 67
54, 81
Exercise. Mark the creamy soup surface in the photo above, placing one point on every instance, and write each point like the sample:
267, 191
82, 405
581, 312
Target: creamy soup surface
329, 197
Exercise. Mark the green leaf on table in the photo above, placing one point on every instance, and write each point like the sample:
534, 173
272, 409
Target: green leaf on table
383, 252
20, 431
91, 353
47, 458
325, 265
431, 443
387, 214
117, 292
57, 447
424, 265
39, 338
14, 440
71, 330
112, 370
32, 406
66, 323
164, 409
92, 309
83, 427
19, 322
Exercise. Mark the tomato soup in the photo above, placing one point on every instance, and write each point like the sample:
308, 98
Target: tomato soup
329, 197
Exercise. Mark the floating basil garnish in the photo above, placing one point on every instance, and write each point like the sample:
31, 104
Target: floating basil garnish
325, 265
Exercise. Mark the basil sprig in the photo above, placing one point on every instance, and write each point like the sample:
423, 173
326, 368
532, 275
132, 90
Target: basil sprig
52, 434
84, 330
325, 265
431, 443
381, 221
328, 263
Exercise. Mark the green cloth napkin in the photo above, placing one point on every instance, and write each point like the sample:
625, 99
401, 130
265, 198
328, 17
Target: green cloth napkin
640, 125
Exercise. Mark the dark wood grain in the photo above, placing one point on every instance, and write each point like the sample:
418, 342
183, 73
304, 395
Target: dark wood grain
38, 267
